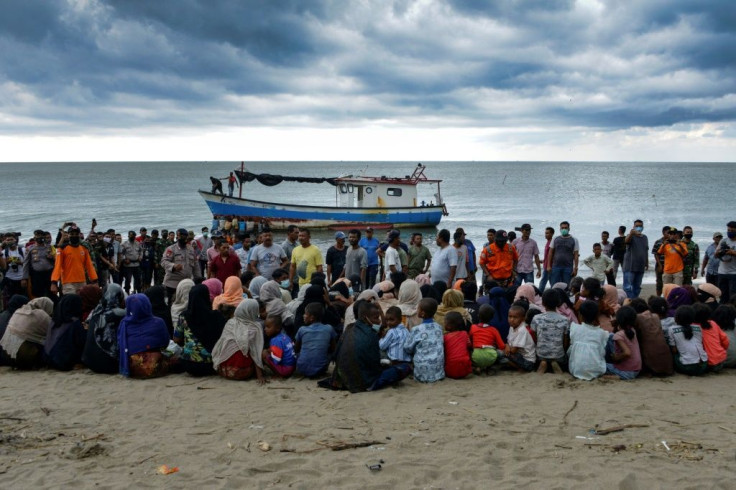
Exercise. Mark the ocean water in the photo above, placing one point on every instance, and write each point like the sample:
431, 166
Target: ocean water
592, 196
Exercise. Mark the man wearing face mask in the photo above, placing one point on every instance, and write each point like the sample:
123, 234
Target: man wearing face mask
564, 253
73, 265
636, 259
205, 243
499, 260
105, 252
179, 262
131, 252
727, 268
38, 265
692, 259
11, 262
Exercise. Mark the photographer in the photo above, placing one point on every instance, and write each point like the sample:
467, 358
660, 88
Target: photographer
11, 262
727, 268
38, 265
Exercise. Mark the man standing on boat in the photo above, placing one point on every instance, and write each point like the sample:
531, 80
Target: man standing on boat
370, 245
232, 181
305, 259
335, 258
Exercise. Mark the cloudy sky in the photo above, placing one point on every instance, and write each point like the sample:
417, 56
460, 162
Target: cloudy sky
646, 80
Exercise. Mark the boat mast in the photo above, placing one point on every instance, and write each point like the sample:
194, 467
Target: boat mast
240, 187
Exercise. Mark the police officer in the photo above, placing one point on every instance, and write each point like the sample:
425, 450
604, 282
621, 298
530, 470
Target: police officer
38, 265
179, 262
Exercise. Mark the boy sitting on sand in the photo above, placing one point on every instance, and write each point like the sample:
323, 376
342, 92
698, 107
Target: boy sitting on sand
486, 340
314, 342
520, 348
279, 359
457, 347
394, 337
425, 343
552, 334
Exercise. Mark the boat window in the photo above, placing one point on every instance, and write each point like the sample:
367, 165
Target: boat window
350, 188
368, 190
343, 188
393, 191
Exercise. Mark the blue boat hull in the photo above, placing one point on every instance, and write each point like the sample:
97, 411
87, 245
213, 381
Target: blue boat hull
280, 216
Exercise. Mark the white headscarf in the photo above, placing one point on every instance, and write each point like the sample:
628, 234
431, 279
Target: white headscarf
29, 323
181, 300
241, 333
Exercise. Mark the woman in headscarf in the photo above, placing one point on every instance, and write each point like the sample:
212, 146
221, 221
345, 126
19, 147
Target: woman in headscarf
667, 289
409, 297
255, 286
452, 300
440, 287
293, 305
157, 296
423, 280
368, 295
65, 339
531, 295
270, 295
386, 295
214, 286
566, 308
181, 300
428, 291
497, 299
101, 346
237, 354
198, 331
709, 294
676, 298
142, 338
91, 295
16, 301
232, 293
22, 343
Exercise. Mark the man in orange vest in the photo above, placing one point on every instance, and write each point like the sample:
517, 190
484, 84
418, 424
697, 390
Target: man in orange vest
73, 265
498, 260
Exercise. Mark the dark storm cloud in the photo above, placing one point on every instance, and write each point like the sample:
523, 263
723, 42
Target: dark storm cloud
117, 65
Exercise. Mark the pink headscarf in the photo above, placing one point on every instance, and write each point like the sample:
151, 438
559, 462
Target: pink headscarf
527, 292
214, 286
423, 280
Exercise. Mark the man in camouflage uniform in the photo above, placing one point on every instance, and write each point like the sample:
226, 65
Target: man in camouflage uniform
692, 259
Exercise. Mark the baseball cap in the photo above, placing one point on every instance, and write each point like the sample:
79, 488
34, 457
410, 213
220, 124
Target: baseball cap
526, 226
717, 234
339, 235
672, 229
501, 234
370, 228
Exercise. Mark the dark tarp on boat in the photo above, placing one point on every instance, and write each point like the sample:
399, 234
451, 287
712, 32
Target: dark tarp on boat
272, 180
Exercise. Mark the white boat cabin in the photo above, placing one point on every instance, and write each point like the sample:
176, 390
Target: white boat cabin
368, 192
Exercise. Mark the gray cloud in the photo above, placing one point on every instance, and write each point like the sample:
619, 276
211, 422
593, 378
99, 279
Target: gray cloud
122, 65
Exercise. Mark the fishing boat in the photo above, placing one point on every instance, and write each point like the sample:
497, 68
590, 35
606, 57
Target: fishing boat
360, 201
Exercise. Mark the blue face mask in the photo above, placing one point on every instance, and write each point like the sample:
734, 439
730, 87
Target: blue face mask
731, 235
639, 229
284, 284
350, 291
376, 327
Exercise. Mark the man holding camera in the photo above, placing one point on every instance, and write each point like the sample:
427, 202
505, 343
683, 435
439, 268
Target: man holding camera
11, 261
38, 265
726, 253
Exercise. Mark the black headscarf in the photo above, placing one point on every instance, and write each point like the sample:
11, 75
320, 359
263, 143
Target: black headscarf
157, 295
430, 292
68, 310
205, 323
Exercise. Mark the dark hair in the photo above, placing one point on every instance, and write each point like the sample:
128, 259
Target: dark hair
638, 221
639, 305
316, 310
702, 315
366, 309
276, 319
279, 273
355, 232
576, 283
455, 320
491, 230
604, 231
685, 317
658, 305
531, 314
565, 223
522, 303
731, 224
469, 289
551, 299
428, 306
724, 316
397, 278
486, 313
666, 229
291, 228
593, 287
394, 311
227, 310
457, 235
246, 277
626, 319
444, 235
305, 230
597, 245
549, 228
621, 229
518, 307
416, 233
358, 306
589, 312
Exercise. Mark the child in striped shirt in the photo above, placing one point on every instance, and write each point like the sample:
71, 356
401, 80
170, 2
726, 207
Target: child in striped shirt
394, 336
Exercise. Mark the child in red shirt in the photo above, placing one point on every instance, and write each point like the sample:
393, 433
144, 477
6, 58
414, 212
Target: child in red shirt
715, 342
487, 342
457, 347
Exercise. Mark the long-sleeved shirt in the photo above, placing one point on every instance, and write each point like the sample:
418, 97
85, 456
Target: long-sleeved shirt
187, 258
72, 262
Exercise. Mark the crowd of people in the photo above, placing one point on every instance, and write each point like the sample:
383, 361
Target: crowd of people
368, 313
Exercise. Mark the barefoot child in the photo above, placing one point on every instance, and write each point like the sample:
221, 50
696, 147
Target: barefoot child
425, 343
626, 356
520, 349
486, 340
587, 352
394, 337
457, 347
552, 333
314, 342
279, 359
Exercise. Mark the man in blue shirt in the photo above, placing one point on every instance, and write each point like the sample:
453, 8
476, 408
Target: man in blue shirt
370, 245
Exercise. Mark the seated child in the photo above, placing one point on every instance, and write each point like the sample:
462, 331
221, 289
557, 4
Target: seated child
486, 340
530, 314
520, 349
279, 359
587, 352
715, 342
626, 356
686, 343
656, 357
314, 342
394, 337
457, 347
552, 333
424, 342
